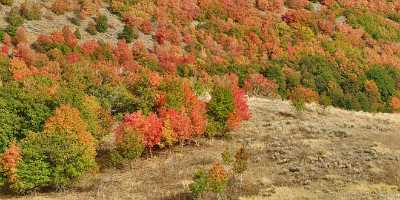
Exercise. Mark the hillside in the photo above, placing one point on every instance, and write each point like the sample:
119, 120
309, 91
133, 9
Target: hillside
91, 86
319, 154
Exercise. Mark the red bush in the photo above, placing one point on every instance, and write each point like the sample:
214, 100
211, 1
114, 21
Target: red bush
241, 110
69, 37
395, 103
196, 109
73, 57
149, 126
9, 161
179, 122
57, 37
122, 52
5, 50
21, 35
89, 47
257, 84
297, 4
146, 27
270, 5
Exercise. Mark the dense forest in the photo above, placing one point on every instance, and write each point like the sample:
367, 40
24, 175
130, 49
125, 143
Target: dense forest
177, 70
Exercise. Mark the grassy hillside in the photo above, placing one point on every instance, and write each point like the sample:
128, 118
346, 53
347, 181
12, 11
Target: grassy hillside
83, 81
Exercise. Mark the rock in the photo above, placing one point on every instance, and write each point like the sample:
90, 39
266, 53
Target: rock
315, 7
294, 169
340, 20
206, 97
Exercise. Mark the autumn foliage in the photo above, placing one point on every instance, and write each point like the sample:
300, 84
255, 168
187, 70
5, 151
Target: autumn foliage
181, 69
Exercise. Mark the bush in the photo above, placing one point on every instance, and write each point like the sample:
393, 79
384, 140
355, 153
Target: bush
68, 119
63, 152
131, 145
178, 122
59, 7
128, 34
102, 24
173, 96
31, 11
20, 113
274, 72
76, 21
98, 119
219, 108
52, 159
7, 2
3, 178
145, 96
148, 127
217, 179
77, 34
14, 18
91, 28
200, 183
374, 25
384, 80
300, 95
320, 70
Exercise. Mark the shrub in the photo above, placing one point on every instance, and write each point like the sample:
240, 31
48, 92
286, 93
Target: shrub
102, 24
91, 28
7, 2
3, 178
241, 109
63, 152
14, 18
69, 37
321, 70
145, 96
55, 159
67, 119
215, 180
219, 108
200, 183
131, 145
20, 113
293, 78
218, 178
384, 80
98, 119
21, 35
174, 97
196, 109
241, 161
75, 21
395, 104
59, 7
374, 25
31, 11
297, 4
300, 95
179, 123
242, 71
257, 84
149, 127
77, 34
9, 162
275, 73
128, 34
